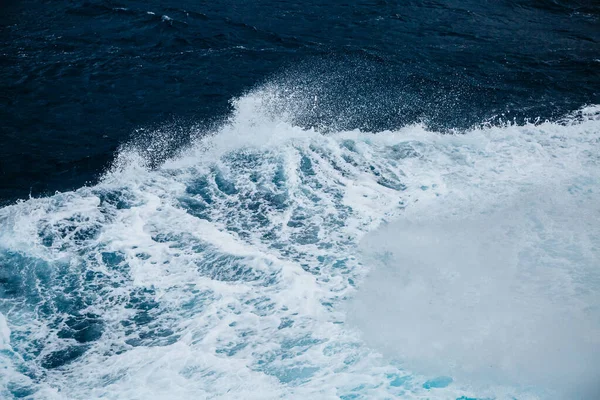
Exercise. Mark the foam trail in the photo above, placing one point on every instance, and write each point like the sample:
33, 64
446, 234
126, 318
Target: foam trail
496, 282
502, 296
223, 271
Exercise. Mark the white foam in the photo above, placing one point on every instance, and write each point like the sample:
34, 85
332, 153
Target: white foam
504, 297
496, 281
4, 333
245, 247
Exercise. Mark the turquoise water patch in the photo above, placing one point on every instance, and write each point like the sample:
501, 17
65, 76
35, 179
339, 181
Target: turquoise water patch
439, 382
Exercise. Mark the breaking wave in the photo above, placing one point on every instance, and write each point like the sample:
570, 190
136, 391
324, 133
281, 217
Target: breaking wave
266, 260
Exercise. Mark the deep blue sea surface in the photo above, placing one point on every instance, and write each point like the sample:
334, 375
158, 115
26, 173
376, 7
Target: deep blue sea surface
79, 77
279, 199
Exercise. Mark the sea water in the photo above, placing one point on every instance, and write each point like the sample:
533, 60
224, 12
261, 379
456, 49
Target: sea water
266, 260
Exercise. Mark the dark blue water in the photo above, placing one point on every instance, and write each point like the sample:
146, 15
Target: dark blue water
78, 78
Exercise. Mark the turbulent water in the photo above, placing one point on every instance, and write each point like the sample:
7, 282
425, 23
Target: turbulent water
282, 199
77, 77
265, 260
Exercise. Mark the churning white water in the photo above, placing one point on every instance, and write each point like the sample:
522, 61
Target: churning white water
269, 261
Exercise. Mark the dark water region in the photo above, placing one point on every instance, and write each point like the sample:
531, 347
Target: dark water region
77, 78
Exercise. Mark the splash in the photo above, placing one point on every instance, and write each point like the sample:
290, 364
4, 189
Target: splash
223, 269
502, 295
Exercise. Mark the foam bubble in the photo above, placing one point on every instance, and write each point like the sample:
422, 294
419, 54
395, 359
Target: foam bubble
4, 333
221, 269
496, 282
504, 297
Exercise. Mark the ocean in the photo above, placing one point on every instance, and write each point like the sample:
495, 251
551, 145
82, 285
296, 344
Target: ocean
290, 200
